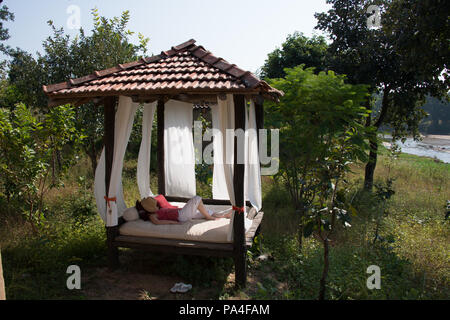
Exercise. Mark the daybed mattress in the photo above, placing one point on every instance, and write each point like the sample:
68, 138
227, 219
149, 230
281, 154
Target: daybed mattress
193, 230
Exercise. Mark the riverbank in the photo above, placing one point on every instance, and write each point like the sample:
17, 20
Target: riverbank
432, 146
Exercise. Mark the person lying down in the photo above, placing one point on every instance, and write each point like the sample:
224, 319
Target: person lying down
159, 211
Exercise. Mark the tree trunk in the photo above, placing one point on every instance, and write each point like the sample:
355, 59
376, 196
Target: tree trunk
371, 165
92, 154
373, 154
325, 270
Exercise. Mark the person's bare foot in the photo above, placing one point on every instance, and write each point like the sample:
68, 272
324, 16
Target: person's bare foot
221, 215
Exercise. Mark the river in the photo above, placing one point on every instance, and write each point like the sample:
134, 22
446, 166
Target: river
433, 146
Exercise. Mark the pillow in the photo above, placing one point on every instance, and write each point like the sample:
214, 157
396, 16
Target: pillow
130, 214
163, 203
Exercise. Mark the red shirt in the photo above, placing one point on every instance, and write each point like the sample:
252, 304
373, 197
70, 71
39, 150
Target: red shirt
167, 214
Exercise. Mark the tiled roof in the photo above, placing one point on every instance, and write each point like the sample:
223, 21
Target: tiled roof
186, 68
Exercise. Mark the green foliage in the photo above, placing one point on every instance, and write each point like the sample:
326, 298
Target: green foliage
438, 118
81, 206
5, 15
64, 57
405, 58
35, 154
35, 266
296, 50
321, 133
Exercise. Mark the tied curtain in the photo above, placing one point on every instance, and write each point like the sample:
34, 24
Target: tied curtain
223, 132
223, 144
124, 119
111, 210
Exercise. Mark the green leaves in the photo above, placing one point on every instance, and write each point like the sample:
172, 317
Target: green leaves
296, 50
321, 119
35, 153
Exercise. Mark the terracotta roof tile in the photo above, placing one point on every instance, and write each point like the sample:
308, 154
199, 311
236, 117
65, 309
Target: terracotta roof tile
186, 67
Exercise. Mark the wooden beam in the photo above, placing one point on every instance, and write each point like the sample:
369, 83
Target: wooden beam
240, 258
109, 123
254, 228
160, 147
185, 97
176, 246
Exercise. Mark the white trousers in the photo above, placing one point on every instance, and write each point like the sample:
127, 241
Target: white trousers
190, 211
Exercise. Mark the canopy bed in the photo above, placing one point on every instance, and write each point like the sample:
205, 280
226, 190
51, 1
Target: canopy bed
170, 84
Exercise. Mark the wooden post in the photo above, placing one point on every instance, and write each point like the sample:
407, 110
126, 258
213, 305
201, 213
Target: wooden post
2, 281
109, 123
240, 254
259, 115
160, 147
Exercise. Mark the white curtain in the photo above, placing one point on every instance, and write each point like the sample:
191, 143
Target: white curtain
223, 131
223, 144
252, 184
123, 125
179, 154
143, 166
223, 119
100, 189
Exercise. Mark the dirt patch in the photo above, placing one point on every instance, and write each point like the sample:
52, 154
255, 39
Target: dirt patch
134, 281
103, 284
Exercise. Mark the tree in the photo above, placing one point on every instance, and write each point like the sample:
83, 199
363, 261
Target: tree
29, 149
322, 131
438, 119
5, 15
296, 50
385, 62
318, 117
108, 45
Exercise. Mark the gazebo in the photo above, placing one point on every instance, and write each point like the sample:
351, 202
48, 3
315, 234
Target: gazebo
170, 84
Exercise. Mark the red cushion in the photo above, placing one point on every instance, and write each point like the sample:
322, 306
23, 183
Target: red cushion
163, 203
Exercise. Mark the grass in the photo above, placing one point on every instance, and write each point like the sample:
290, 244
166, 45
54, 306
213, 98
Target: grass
413, 258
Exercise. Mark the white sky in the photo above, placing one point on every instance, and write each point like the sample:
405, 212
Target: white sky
240, 31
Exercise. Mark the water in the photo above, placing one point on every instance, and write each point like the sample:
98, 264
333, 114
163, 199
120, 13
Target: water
432, 146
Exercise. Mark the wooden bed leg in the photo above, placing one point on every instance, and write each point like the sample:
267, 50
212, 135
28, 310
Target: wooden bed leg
111, 232
240, 267
240, 250
113, 251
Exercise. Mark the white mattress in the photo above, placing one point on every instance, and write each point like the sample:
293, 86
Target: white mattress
193, 230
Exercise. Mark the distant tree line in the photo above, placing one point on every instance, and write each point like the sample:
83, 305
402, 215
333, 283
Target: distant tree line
438, 119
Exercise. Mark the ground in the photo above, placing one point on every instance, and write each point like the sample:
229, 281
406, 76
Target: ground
130, 282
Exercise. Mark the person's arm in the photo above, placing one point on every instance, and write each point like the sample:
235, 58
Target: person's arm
155, 220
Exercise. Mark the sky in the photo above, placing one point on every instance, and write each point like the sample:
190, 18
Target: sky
242, 32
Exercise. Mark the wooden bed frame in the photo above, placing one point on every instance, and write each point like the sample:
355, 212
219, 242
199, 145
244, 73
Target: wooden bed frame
241, 240
201, 248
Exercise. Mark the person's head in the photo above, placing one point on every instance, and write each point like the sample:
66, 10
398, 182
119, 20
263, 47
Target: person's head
149, 204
